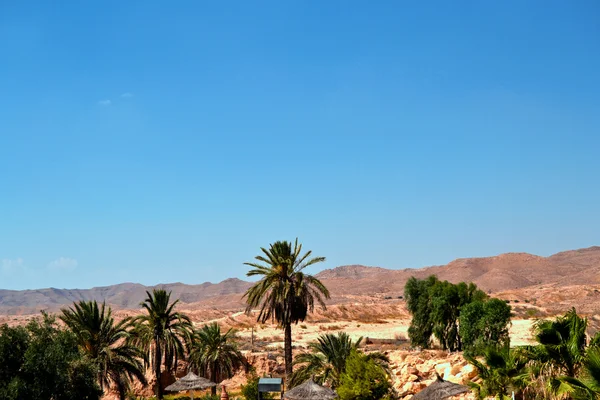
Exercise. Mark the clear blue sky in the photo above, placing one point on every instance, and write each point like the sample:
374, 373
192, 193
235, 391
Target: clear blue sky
153, 141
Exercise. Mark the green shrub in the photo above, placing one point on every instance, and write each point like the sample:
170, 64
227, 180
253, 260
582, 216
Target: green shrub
363, 379
250, 389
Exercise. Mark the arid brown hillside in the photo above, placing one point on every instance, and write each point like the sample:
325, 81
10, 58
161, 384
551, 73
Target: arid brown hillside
494, 274
505, 274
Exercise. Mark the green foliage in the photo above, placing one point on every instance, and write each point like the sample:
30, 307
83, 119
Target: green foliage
161, 333
250, 389
363, 379
214, 354
484, 323
435, 307
43, 362
502, 372
105, 343
326, 360
418, 302
284, 293
562, 342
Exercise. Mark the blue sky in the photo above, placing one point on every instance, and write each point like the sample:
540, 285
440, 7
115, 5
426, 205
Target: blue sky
154, 142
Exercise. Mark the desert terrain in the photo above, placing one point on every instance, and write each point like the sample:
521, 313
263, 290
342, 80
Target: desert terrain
366, 302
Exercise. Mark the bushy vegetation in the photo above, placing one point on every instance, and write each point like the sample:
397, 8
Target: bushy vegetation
42, 361
363, 379
563, 364
327, 358
250, 389
460, 317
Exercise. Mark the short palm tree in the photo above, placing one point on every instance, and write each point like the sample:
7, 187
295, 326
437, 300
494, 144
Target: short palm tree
587, 386
326, 360
561, 342
105, 343
502, 371
284, 293
161, 333
214, 355
569, 366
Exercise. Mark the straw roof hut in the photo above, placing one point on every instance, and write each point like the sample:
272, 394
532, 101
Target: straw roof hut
190, 382
309, 390
440, 389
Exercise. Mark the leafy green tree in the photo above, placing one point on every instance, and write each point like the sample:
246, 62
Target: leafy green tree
363, 379
418, 302
215, 355
161, 334
284, 293
484, 323
105, 343
14, 343
435, 307
43, 362
502, 371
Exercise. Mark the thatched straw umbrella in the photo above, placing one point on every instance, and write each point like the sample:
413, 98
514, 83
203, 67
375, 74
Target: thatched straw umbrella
439, 390
190, 382
309, 390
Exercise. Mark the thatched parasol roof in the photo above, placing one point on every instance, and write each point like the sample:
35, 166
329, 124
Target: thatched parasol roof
190, 382
440, 389
309, 390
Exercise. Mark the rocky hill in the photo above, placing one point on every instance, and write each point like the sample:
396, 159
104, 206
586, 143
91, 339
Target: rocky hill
505, 273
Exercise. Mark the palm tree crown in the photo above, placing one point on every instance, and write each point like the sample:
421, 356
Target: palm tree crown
161, 333
285, 294
326, 359
214, 355
562, 342
105, 343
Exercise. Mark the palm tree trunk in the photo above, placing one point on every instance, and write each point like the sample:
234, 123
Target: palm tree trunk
122, 392
213, 377
157, 364
288, 351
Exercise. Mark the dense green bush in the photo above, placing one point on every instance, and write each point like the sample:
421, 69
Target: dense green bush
43, 362
363, 379
483, 324
250, 389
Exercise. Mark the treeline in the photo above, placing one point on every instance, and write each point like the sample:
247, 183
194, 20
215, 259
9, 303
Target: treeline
460, 316
93, 352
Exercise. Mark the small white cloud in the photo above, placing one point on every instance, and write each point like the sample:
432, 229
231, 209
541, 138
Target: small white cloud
63, 264
11, 266
104, 103
127, 95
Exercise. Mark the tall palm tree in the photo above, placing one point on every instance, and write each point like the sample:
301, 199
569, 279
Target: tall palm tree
106, 344
214, 355
326, 360
161, 333
284, 293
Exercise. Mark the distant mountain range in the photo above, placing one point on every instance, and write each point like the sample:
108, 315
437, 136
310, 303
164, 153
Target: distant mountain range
493, 274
